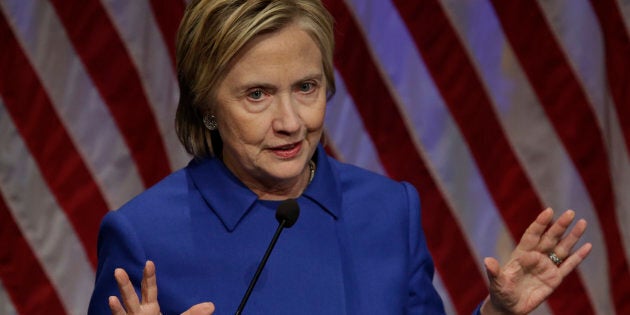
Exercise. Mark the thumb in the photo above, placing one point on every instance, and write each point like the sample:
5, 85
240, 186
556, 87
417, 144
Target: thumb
492, 268
206, 308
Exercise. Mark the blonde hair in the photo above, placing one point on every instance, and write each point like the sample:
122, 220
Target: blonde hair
212, 33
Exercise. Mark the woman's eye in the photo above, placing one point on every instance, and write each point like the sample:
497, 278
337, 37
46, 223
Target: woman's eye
256, 94
307, 87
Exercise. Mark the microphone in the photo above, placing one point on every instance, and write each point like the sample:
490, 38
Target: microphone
287, 213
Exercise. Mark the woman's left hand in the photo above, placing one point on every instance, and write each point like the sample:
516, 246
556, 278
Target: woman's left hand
149, 303
531, 274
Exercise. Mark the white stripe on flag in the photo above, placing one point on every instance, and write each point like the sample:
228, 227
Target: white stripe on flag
576, 26
89, 123
436, 137
446, 299
41, 221
6, 306
530, 133
440, 141
137, 27
624, 6
347, 132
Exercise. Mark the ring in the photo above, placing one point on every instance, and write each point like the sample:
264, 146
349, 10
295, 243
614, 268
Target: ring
555, 259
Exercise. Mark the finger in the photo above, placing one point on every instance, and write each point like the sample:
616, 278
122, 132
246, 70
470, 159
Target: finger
492, 268
206, 308
149, 283
115, 306
563, 249
127, 292
575, 259
532, 235
551, 238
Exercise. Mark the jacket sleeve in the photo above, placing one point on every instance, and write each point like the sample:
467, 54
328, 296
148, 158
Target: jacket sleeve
478, 309
118, 246
423, 298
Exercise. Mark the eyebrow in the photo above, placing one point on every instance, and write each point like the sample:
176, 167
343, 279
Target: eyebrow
266, 86
253, 85
316, 77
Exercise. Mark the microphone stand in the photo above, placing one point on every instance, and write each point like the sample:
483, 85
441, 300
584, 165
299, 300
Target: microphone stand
252, 283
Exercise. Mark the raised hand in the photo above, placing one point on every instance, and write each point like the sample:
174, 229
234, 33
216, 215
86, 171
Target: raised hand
149, 304
537, 266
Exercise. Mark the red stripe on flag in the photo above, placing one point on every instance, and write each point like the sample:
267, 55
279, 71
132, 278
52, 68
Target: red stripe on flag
617, 52
96, 41
22, 275
168, 15
401, 160
459, 85
549, 72
46, 138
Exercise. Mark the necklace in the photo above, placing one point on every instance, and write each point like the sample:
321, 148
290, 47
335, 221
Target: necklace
311, 167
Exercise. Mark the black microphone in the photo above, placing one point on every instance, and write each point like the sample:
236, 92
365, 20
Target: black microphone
286, 214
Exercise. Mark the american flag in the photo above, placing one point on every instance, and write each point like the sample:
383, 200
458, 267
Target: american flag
492, 109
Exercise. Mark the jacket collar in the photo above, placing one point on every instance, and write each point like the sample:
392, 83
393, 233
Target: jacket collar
231, 200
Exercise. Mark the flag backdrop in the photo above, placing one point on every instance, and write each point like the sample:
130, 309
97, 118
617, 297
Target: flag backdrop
492, 109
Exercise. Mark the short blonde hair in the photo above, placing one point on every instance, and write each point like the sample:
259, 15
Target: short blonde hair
212, 33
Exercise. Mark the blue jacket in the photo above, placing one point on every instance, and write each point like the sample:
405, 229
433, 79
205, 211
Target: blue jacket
357, 247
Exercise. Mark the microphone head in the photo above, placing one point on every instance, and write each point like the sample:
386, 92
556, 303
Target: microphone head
288, 211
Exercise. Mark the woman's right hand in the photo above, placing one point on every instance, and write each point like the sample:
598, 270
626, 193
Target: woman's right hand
149, 304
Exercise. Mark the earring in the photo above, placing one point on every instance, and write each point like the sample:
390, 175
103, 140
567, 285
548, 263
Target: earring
210, 121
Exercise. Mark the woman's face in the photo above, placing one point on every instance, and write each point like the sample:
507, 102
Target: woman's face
270, 111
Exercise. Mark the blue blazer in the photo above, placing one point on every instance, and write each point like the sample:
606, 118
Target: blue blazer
357, 247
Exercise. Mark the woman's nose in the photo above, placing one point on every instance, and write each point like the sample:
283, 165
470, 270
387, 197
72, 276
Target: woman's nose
287, 119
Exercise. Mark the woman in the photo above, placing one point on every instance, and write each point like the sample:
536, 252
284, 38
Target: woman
254, 78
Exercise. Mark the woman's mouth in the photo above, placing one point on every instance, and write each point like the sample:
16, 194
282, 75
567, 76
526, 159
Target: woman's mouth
287, 151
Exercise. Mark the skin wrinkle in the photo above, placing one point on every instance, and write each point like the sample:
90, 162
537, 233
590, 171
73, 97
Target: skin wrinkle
273, 96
